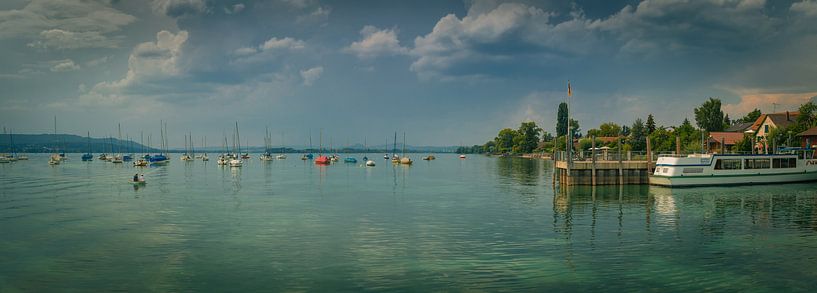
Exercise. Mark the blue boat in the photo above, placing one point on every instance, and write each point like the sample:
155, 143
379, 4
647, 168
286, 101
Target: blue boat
309, 156
88, 156
350, 160
127, 158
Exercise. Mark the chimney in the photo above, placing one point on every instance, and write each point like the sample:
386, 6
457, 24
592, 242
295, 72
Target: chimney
787, 116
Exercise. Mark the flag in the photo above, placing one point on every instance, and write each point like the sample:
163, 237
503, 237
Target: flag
569, 91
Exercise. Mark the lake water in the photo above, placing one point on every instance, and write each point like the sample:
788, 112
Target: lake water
479, 224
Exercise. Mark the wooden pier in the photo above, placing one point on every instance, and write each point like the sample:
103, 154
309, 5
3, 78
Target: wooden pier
603, 168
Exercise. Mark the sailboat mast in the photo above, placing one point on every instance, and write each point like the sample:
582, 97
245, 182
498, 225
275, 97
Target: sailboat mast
238, 137
320, 143
394, 146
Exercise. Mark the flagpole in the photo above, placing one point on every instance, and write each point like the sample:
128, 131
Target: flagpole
569, 138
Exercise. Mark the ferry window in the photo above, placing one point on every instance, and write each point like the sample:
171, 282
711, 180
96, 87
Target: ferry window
693, 170
784, 163
727, 164
757, 164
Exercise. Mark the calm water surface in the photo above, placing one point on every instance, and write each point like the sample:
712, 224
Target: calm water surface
481, 224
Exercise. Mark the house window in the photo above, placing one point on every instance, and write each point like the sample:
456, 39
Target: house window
766, 128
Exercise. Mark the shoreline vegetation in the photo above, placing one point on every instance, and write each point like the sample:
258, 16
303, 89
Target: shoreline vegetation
529, 140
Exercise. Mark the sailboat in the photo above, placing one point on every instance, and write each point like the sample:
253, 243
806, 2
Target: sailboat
321, 160
186, 156
266, 156
161, 158
308, 156
141, 162
88, 156
224, 158
236, 162
4, 158
117, 159
369, 163
14, 153
395, 159
282, 156
405, 160
349, 159
55, 157
204, 147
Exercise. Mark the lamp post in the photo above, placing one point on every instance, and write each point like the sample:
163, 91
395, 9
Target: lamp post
752, 133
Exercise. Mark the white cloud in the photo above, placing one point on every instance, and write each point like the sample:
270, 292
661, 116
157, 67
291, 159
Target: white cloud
376, 42
807, 8
62, 39
148, 62
320, 14
64, 65
311, 75
285, 43
177, 8
79, 16
237, 8
245, 51
98, 61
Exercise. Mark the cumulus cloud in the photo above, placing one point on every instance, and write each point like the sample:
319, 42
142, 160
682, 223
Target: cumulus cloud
268, 49
89, 19
285, 43
62, 39
177, 8
237, 8
376, 42
750, 100
148, 62
311, 75
807, 7
64, 65
320, 14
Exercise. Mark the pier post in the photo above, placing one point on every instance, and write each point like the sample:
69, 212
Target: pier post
677, 145
649, 157
593, 160
723, 147
620, 165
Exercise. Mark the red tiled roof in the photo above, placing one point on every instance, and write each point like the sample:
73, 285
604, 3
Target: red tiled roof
809, 132
729, 138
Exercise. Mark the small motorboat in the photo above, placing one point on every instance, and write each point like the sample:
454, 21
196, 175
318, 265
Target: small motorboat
140, 163
205, 158
406, 161
281, 157
236, 163
349, 160
322, 160
245, 156
386, 156
370, 163
462, 156
87, 157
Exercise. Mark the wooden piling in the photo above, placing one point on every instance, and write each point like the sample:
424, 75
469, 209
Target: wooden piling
593, 153
677, 145
620, 164
649, 156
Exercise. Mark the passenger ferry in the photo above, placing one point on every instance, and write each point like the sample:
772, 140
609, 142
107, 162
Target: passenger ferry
728, 169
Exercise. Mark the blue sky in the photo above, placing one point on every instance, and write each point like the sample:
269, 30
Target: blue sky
444, 72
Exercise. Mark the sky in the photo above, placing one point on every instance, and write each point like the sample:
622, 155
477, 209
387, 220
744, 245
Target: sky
444, 72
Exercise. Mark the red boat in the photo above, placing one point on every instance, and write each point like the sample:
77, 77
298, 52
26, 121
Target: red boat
322, 160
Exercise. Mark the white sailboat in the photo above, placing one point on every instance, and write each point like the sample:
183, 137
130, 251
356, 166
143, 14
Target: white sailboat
236, 161
282, 156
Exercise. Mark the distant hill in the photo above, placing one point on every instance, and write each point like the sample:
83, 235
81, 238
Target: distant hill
69, 143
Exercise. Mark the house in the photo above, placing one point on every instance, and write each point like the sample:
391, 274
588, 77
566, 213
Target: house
740, 127
767, 122
728, 139
808, 138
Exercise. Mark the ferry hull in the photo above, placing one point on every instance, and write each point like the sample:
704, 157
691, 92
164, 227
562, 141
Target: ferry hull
715, 180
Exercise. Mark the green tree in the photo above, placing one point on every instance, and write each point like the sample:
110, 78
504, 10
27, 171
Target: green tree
625, 130
808, 115
650, 124
662, 140
561, 120
527, 137
504, 140
489, 147
575, 128
726, 121
638, 136
751, 117
709, 115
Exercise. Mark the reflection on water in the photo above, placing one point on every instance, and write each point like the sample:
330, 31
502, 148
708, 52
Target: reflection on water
480, 224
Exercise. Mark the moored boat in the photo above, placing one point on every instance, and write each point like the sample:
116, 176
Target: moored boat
725, 169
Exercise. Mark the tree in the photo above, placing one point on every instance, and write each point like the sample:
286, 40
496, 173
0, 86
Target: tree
726, 121
575, 128
504, 140
527, 137
650, 124
807, 116
709, 115
561, 120
625, 130
546, 136
638, 136
751, 117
